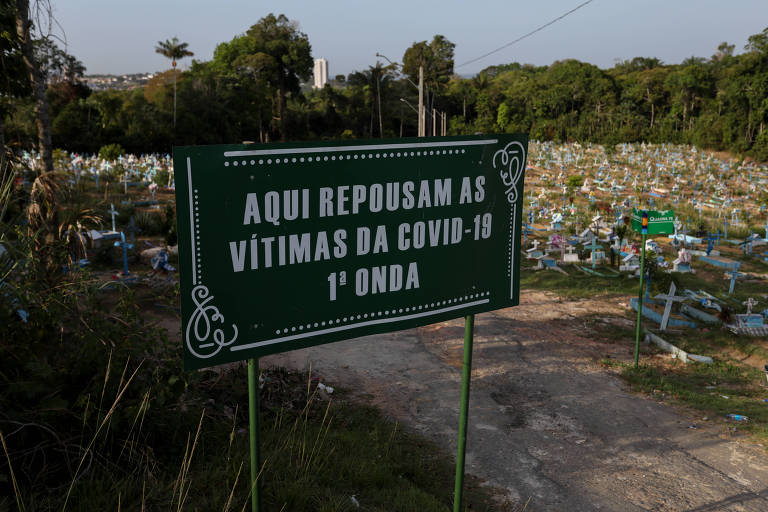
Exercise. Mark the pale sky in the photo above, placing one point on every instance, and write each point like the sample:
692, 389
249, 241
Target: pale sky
118, 36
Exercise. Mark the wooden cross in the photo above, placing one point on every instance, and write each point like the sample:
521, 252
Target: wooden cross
112, 212
670, 299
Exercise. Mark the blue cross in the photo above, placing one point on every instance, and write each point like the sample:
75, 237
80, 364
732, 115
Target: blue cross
734, 273
710, 244
125, 245
593, 246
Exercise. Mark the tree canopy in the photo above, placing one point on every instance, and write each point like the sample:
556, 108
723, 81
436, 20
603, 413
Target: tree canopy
255, 88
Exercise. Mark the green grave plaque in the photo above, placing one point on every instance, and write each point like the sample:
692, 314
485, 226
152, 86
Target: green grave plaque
659, 222
284, 246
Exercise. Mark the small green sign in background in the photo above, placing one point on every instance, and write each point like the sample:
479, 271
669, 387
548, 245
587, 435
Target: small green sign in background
285, 246
659, 222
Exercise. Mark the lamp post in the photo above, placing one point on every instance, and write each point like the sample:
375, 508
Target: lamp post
435, 112
421, 112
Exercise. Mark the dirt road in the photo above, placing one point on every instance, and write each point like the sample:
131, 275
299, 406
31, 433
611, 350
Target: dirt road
547, 422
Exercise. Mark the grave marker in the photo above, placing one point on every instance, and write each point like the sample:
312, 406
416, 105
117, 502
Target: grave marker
593, 247
670, 298
125, 245
112, 212
734, 272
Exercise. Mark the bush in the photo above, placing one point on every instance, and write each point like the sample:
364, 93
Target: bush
169, 224
161, 177
148, 223
111, 152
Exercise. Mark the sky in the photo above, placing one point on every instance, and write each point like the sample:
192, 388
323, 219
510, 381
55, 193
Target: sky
119, 37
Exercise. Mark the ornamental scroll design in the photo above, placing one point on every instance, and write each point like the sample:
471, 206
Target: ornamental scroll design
203, 339
511, 160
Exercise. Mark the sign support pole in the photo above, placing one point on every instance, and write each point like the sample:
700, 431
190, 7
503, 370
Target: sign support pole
640, 304
254, 427
466, 374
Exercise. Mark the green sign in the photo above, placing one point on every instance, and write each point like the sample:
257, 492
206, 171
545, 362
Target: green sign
658, 223
284, 246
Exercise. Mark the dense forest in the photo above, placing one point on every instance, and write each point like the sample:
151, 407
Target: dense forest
255, 89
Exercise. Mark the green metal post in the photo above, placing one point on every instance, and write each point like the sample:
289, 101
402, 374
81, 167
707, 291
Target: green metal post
466, 374
253, 422
640, 305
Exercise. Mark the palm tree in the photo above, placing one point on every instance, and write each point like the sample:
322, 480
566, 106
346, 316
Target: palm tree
174, 50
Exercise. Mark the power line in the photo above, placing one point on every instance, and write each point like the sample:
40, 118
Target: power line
526, 35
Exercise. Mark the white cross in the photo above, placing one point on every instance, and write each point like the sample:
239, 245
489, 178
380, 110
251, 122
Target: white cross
670, 299
750, 302
113, 212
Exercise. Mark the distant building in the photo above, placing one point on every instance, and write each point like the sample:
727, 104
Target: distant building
321, 73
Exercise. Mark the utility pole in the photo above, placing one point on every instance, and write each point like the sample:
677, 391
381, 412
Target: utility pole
422, 114
434, 122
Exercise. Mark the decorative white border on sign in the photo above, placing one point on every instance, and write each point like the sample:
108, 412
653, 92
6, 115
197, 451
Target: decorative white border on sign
199, 325
366, 323
355, 156
512, 161
366, 147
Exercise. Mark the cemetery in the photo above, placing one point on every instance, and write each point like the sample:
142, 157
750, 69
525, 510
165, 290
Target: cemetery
194, 316
704, 290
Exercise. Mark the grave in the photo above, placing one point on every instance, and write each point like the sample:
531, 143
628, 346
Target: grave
596, 251
734, 272
557, 222
534, 252
112, 212
630, 263
750, 324
571, 256
674, 350
698, 314
718, 261
669, 298
650, 312
125, 246
683, 262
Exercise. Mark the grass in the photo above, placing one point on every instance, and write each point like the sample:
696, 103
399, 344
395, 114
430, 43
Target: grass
577, 284
318, 451
715, 389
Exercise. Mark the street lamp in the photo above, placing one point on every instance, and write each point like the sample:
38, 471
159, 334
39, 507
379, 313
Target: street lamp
421, 113
408, 103
435, 113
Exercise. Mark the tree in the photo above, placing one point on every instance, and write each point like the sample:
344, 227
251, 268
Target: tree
436, 57
174, 50
286, 57
14, 83
36, 81
758, 42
